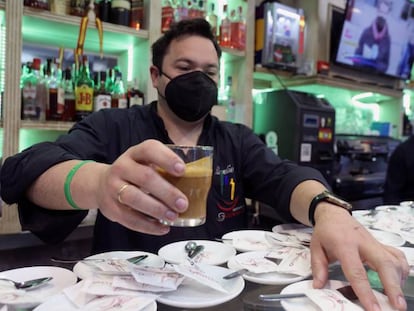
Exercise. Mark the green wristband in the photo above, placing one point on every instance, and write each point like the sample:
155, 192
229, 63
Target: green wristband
68, 181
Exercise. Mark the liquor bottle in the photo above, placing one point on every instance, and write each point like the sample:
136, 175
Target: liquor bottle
192, 9
181, 11
119, 99
229, 101
212, 19
238, 30
56, 92
225, 92
109, 81
78, 7
69, 110
120, 12
225, 28
103, 97
201, 9
84, 91
167, 17
105, 10
42, 95
38, 4
137, 14
29, 82
61, 7
135, 95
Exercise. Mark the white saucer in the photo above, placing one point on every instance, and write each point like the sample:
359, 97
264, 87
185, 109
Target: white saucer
84, 270
193, 295
304, 304
409, 254
62, 278
292, 226
388, 238
65, 305
270, 278
388, 208
214, 253
253, 240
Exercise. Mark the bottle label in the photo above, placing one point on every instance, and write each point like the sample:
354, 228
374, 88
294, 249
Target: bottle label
29, 102
60, 100
167, 18
121, 4
122, 103
102, 101
136, 101
84, 98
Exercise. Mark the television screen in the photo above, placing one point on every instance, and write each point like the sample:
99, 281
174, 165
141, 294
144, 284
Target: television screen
378, 36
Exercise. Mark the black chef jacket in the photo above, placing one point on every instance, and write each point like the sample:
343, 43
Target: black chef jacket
243, 167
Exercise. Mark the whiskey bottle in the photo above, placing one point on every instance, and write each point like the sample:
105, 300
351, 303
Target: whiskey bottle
69, 110
84, 91
135, 95
103, 97
119, 99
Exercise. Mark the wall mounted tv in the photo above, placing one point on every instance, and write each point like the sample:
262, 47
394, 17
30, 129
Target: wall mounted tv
378, 37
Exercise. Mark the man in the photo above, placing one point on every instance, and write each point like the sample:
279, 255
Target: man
49, 180
399, 182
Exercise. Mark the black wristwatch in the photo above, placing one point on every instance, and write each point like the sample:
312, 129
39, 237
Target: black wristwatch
326, 196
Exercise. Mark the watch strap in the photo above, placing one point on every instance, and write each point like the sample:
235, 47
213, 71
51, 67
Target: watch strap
326, 196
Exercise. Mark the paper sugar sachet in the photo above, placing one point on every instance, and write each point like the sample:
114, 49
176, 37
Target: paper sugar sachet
297, 261
76, 295
128, 282
331, 300
9, 293
251, 243
200, 274
276, 239
89, 293
165, 278
257, 264
110, 265
120, 303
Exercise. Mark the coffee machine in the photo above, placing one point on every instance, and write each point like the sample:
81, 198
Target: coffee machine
360, 168
298, 126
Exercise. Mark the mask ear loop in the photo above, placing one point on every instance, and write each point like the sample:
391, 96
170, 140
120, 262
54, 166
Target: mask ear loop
161, 73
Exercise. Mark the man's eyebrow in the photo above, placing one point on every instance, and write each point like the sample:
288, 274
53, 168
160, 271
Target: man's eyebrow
193, 63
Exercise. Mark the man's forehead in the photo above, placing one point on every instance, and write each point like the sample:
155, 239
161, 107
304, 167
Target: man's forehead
192, 46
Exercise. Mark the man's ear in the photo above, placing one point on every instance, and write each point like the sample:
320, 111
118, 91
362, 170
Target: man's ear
155, 74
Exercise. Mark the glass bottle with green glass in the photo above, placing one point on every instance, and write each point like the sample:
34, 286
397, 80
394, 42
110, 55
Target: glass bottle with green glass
84, 91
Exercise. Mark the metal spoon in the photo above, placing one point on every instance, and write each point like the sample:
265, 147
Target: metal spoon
190, 247
346, 291
29, 284
134, 260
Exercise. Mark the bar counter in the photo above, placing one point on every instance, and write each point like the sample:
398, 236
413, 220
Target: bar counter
247, 300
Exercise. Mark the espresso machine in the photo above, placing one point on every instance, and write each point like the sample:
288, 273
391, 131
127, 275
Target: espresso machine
298, 126
361, 167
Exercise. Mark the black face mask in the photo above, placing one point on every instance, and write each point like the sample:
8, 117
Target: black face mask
191, 95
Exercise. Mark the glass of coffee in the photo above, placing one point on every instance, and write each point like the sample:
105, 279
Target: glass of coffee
195, 183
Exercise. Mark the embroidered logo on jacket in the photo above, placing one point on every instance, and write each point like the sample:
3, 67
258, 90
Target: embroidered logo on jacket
228, 205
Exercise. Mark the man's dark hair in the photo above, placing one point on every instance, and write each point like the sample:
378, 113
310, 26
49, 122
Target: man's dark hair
198, 26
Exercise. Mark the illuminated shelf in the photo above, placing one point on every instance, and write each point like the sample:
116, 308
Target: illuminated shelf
43, 27
267, 78
47, 125
229, 54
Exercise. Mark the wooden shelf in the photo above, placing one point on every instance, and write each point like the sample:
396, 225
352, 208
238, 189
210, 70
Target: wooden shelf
47, 125
43, 27
263, 77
